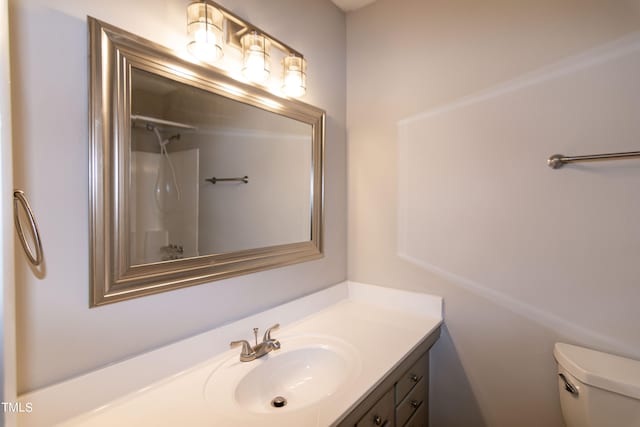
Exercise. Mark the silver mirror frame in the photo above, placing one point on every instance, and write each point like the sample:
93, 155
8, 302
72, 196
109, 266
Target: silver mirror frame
113, 54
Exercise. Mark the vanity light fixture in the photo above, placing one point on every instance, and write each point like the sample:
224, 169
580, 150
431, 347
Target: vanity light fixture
256, 61
213, 29
204, 26
294, 72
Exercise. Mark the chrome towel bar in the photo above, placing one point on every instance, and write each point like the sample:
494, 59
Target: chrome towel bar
213, 180
558, 160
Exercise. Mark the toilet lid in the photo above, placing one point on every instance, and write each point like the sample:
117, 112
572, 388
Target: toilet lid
613, 373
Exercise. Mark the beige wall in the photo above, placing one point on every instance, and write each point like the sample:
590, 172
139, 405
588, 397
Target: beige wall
58, 335
452, 109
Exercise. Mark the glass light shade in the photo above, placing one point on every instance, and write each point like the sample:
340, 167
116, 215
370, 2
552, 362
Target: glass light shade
294, 76
256, 57
204, 26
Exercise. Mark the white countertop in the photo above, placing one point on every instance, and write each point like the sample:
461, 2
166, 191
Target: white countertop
166, 387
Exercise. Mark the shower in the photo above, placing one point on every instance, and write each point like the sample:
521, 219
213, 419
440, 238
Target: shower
166, 190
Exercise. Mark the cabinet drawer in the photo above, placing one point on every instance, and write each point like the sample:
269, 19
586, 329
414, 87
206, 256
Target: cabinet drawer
415, 400
410, 378
419, 418
381, 414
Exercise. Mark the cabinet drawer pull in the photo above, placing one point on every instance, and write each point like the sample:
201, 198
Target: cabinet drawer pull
378, 421
414, 378
414, 403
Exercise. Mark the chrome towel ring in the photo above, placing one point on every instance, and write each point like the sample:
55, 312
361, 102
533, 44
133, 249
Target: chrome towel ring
19, 199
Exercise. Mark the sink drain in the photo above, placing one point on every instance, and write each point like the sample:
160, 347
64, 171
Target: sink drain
278, 402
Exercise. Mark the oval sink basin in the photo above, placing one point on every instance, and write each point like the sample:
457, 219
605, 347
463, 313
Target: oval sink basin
301, 376
304, 371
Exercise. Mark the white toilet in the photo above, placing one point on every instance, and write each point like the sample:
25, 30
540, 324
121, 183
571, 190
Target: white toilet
597, 389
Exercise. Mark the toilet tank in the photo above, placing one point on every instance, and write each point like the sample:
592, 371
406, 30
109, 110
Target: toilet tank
597, 389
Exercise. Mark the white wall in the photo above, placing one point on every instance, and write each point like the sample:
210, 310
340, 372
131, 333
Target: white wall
453, 108
235, 216
58, 335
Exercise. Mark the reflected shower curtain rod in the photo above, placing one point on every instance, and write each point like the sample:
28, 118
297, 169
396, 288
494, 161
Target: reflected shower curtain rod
154, 121
558, 160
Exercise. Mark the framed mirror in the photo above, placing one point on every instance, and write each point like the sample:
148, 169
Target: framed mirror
194, 176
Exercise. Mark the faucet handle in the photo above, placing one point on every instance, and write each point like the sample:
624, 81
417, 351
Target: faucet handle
267, 333
246, 347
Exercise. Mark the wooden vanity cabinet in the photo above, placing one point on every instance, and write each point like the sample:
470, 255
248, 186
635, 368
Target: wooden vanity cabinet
402, 398
379, 414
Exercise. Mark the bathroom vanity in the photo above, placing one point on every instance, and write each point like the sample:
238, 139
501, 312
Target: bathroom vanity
402, 398
349, 355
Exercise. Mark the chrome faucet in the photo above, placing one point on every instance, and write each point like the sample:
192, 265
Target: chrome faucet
250, 353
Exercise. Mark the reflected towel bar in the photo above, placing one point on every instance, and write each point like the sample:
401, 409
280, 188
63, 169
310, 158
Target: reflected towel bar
213, 180
558, 160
